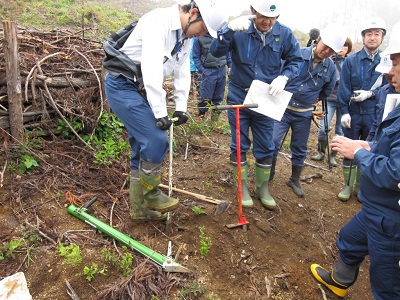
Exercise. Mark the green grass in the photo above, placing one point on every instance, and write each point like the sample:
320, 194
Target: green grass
98, 19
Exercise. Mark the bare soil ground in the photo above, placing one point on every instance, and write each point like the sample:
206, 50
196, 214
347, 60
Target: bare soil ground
270, 260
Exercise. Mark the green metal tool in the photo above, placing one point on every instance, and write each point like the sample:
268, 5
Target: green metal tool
168, 264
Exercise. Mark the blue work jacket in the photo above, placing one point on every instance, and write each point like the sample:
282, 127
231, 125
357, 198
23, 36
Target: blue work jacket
251, 59
379, 108
358, 73
380, 169
312, 84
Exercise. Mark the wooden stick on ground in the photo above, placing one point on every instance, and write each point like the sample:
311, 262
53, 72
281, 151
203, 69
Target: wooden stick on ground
221, 204
198, 196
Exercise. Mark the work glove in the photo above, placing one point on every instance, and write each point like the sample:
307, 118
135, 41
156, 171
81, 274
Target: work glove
361, 95
277, 85
241, 23
346, 121
164, 123
182, 117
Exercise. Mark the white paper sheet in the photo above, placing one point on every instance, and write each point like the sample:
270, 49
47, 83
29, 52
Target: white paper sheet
392, 100
268, 105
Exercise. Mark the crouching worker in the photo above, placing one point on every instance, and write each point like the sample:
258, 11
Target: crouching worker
133, 88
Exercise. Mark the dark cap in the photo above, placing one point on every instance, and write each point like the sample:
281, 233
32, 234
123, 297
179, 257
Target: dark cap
314, 34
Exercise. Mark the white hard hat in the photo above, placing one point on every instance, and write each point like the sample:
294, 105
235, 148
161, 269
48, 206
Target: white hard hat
214, 15
374, 23
394, 42
334, 36
384, 65
266, 8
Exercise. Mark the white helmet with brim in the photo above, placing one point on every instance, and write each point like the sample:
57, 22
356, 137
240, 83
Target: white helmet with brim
334, 36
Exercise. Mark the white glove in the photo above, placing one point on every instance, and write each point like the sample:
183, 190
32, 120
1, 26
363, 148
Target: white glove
277, 85
346, 121
241, 23
361, 95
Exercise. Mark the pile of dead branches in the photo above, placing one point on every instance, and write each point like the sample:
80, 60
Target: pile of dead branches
60, 77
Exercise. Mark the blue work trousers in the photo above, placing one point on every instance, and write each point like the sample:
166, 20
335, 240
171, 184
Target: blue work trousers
261, 129
299, 123
333, 107
147, 141
371, 233
212, 87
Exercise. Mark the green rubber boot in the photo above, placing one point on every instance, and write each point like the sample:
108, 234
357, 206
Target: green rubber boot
247, 201
349, 175
321, 150
150, 178
262, 178
139, 209
357, 183
332, 158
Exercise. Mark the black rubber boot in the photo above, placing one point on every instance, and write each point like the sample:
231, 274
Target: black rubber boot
150, 178
272, 174
294, 181
339, 279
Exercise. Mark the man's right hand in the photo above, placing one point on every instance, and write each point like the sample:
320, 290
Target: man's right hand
241, 23
164, 123
346, 121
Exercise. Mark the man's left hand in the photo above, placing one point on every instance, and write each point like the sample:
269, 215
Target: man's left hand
182, 117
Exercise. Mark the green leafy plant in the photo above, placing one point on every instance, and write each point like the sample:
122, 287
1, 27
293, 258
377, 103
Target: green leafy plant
205, 242
91, 271
126, 264
71, 252
17, 245
64, 130
9, 249
191, 289
108, 140
123, 263
27, 163
198, 210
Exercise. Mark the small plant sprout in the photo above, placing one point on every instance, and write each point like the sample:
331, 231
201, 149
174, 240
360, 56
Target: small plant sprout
198, 210
205, 242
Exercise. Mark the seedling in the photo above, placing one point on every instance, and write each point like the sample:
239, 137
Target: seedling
205, 242
91, 271
71, 252
198, 210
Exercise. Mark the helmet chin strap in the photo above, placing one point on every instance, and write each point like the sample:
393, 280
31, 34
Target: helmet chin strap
191, 22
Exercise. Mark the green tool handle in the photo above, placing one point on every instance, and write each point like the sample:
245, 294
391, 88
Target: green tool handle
115, 234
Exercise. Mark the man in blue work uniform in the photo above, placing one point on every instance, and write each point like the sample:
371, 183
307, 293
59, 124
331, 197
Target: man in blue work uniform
375, 229
359, 82
316, 80
157, 54
258, 44
212, 75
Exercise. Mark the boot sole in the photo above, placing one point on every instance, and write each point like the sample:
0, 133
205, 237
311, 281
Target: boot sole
160, 218
168, 208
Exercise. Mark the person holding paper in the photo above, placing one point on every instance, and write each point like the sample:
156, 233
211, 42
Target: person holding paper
375, 229
316, 80
359, 82
258, 45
